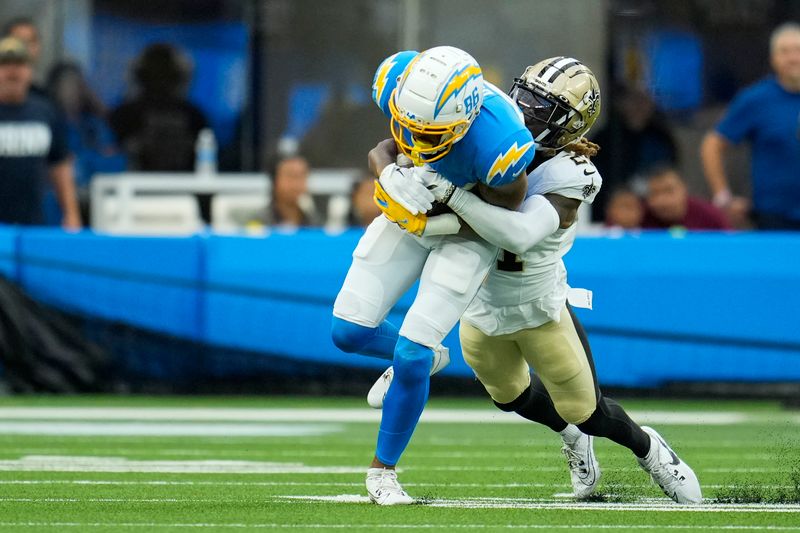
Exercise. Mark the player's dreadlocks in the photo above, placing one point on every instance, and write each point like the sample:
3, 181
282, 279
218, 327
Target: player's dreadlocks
582, 146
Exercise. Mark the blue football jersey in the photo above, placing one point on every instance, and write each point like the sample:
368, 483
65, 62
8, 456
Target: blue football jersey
496, 149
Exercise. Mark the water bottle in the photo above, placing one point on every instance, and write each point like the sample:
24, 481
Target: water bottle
205, 149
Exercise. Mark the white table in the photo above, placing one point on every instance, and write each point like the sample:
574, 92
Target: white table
122, 188
112, 195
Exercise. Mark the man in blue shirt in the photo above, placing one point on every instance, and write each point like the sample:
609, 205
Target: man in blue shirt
767, 115
33, 145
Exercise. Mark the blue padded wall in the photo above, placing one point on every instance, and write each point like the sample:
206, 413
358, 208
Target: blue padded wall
150, 282
702, 306
9, 240
688, 307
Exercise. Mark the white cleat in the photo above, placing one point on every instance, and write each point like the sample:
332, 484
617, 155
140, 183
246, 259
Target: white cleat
384, 489
675, 478
584, 470
376, 394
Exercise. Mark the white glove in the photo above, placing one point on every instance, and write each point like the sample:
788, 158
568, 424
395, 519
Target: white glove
437, 184
406, 189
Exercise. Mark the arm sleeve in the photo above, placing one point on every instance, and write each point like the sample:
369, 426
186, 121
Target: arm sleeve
738, 120
515, 231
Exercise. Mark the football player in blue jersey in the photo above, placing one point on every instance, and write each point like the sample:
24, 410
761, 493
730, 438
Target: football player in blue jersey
445, 117
522, 318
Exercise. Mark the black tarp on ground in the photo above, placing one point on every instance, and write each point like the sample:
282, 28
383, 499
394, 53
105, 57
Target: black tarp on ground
42, 350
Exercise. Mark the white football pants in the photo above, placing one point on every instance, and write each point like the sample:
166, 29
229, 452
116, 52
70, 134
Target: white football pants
386, 263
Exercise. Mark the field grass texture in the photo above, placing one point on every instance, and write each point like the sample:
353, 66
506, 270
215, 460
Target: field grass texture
298, 464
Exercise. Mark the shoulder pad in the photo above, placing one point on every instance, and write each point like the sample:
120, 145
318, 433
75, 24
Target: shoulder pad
508, 160
503, 144
568, 175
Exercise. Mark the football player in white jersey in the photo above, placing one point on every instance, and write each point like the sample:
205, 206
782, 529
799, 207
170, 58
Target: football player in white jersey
521, 317
443, 116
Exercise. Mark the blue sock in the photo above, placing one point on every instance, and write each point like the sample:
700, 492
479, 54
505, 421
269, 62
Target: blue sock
375, 342
405, 400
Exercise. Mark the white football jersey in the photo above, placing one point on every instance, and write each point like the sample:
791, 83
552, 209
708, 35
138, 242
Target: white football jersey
529, 290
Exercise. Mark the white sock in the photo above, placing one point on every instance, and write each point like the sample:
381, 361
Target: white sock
570, 434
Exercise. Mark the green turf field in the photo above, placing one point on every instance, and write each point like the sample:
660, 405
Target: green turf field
198, 464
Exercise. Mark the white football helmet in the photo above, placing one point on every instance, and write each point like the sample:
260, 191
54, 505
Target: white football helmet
436, 100
560, 99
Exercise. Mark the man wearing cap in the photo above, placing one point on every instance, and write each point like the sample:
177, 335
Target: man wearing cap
24, 29
33, 145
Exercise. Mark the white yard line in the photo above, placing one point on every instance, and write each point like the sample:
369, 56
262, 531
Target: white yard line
165, 429
356, 415
271, 453
647, 504
528, 503
55, 463
357, 484
560, 468
88, 463
538, 440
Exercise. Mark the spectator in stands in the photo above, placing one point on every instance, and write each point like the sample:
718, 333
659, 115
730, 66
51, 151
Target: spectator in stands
24, 29
291, 204
89, 137
362, 205
625, 209
334, 141
159, 126
33, 145
636, 138
767, 115
669, 204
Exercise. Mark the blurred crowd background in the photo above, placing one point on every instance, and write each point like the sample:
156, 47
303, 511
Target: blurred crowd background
138, 82
202, 118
